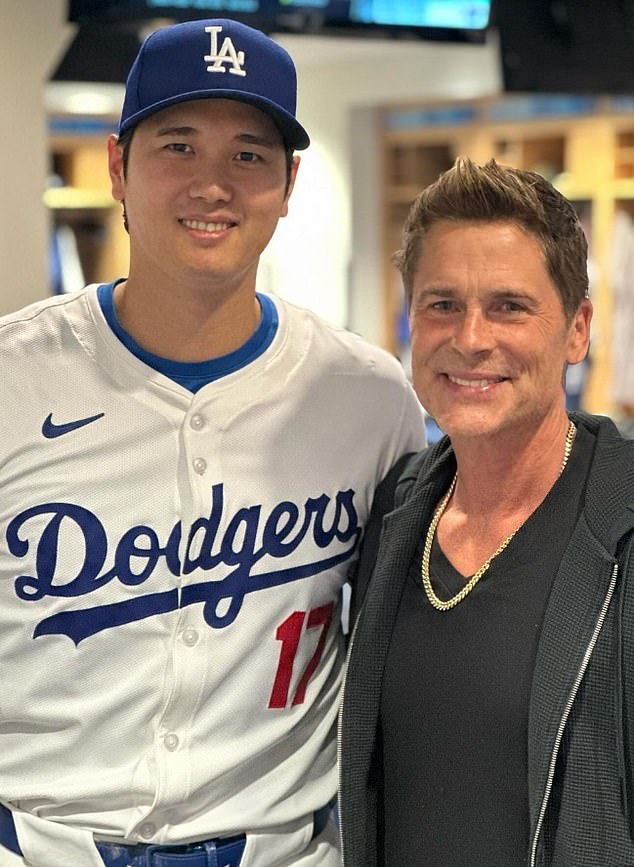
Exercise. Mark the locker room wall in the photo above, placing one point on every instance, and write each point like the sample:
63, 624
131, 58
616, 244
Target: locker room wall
324, 255
32, 36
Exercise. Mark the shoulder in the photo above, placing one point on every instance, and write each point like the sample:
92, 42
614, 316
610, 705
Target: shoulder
346, 352
40, 341
609, 491
401, 485
420, 468
361, 385
35, 319
611, 447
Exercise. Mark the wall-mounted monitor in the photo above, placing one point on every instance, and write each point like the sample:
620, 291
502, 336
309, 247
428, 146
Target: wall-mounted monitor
450, 20
110, 31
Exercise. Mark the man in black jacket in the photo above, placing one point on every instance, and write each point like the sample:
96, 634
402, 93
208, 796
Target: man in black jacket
488, 715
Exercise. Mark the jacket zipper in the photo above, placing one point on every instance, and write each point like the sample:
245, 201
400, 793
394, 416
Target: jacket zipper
340, 727
566, 713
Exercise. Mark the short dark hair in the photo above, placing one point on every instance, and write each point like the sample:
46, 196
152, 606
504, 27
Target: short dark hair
495, 193
124, 141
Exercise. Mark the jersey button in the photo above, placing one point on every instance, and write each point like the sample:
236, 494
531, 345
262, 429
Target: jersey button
190, 637
197, 422
171, 742
147, 830
199, 465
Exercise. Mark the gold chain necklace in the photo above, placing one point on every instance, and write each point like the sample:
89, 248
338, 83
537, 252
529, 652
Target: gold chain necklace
446, 605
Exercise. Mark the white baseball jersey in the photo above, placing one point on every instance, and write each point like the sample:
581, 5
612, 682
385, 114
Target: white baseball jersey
171, 567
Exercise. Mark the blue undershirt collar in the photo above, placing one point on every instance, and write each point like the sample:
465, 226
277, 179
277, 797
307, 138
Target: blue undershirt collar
193, 375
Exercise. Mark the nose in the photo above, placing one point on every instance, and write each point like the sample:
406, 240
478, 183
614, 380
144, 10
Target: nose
210, 181
474, 332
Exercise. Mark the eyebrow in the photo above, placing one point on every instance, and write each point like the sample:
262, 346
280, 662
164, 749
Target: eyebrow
437, 290
243, 138
175, 130
447, 292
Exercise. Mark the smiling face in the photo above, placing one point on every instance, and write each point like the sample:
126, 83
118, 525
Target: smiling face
490, 341
205, 185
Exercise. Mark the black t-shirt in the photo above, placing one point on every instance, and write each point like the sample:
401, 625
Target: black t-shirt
454, 708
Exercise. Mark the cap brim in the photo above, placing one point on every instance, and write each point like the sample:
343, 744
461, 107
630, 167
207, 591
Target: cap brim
292, 132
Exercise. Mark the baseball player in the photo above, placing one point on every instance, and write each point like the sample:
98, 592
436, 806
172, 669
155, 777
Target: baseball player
186, 470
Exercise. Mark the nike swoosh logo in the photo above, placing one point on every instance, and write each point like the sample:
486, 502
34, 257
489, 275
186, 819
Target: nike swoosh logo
51, 430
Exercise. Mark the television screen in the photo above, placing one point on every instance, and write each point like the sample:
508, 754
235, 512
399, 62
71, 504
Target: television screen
454, 20
458, 14
109, 31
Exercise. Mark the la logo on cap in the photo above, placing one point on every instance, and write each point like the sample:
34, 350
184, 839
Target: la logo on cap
227, 54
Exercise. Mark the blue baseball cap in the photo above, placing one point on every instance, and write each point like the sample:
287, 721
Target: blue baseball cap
214, 58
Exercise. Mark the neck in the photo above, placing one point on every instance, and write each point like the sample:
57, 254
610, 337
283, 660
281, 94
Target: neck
491, 501
516, 474
186, 326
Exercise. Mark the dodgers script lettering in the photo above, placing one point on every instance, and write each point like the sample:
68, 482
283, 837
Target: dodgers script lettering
249, 538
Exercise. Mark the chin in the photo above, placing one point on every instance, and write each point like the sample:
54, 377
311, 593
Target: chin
469, 427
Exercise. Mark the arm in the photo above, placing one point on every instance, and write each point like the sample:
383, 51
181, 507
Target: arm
361, 571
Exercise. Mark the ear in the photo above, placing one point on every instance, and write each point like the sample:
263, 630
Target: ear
294, 170
579, 333
115, 168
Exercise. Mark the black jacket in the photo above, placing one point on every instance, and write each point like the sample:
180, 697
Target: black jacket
581, 716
